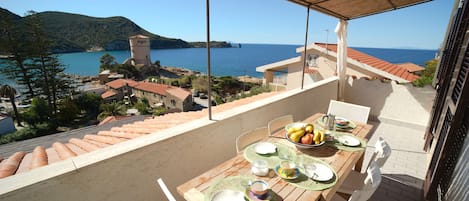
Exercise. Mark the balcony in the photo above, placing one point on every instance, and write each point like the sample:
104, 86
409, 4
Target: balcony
128, 170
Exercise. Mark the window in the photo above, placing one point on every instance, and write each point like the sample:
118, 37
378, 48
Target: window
173, 102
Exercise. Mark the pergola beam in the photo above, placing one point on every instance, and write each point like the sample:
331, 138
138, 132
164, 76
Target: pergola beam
208, 61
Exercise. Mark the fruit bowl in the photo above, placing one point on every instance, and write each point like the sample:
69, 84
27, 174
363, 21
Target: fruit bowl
295, 125
304, 146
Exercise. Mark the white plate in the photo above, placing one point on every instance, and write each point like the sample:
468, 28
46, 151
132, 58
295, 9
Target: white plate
265, 148
348, 140
342, 119
228, 195
318, 172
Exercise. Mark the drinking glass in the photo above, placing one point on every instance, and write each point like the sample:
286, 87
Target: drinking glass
285, 154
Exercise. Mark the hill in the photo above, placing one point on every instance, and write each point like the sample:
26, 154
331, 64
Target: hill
75, 33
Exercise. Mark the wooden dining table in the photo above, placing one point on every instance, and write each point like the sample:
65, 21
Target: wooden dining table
342, 162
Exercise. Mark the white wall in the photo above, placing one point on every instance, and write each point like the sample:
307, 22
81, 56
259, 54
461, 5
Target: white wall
392, 102
128, 171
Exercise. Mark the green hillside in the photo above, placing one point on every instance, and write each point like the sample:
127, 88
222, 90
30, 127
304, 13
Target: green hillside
110, 33
74, 33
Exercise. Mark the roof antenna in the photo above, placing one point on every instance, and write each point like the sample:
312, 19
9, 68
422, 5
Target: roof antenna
327, 40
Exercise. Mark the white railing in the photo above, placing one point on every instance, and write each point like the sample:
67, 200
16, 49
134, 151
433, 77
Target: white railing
129, 170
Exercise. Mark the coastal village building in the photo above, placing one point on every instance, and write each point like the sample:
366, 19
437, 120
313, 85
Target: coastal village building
158, 95
140, 50
118, 89
106, 76
321, 64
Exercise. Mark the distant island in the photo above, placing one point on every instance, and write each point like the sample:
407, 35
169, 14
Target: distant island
80, 33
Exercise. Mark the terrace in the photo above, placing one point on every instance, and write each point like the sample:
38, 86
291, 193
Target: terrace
128, 170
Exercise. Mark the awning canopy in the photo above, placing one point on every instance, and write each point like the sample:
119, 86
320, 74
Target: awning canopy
352, 9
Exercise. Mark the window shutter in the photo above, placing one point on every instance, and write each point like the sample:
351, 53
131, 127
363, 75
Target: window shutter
458, 85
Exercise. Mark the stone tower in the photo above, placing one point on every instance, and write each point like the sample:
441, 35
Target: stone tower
140, 50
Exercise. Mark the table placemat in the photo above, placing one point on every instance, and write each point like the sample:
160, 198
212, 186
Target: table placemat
307, 183
283, 153
340, 146
236, 183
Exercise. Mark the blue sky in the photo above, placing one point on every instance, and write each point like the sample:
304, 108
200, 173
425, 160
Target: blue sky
261, 21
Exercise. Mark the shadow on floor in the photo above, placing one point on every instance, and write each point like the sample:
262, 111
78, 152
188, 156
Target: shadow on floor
398, 187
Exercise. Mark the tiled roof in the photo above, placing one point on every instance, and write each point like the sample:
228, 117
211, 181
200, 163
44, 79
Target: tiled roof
374, 62
411, 67
108, 94
178, 92
116, 84
152, 87
311, 71
22, 162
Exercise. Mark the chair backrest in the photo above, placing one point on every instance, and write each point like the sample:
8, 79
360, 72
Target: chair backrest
381, 153
250, 137
279, 123
165, 190
371, 183
356, 113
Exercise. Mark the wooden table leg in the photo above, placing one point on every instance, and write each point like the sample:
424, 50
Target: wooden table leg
359, 164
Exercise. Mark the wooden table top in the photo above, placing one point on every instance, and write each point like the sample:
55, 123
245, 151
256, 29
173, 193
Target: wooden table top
341, 161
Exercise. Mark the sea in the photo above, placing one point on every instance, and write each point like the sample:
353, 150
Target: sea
225, 61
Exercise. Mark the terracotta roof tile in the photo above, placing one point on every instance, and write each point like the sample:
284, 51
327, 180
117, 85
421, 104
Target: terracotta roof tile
132, 129
178, 92
52, 155
311, 71
116, 84
63, 151
77, 150
24, 164
39, 158
119, 134
87, 146
97, 143
20, 162
400, 72
11, 164
108, 94
411, 67
371, 61
104, 139
152, 87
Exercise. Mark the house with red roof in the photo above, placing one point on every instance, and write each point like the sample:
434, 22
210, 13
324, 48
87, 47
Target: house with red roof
158, 95
116, 90
321, 64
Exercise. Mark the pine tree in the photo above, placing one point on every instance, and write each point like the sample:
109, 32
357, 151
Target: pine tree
50, 79
13, 42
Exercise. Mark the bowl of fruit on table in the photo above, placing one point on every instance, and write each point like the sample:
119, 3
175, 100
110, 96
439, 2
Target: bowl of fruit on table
303, 135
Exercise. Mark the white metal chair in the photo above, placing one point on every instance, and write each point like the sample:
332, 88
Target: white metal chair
365, 186
250, 137
165, 190
381, 153
353, 112
279, 123
380, 156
